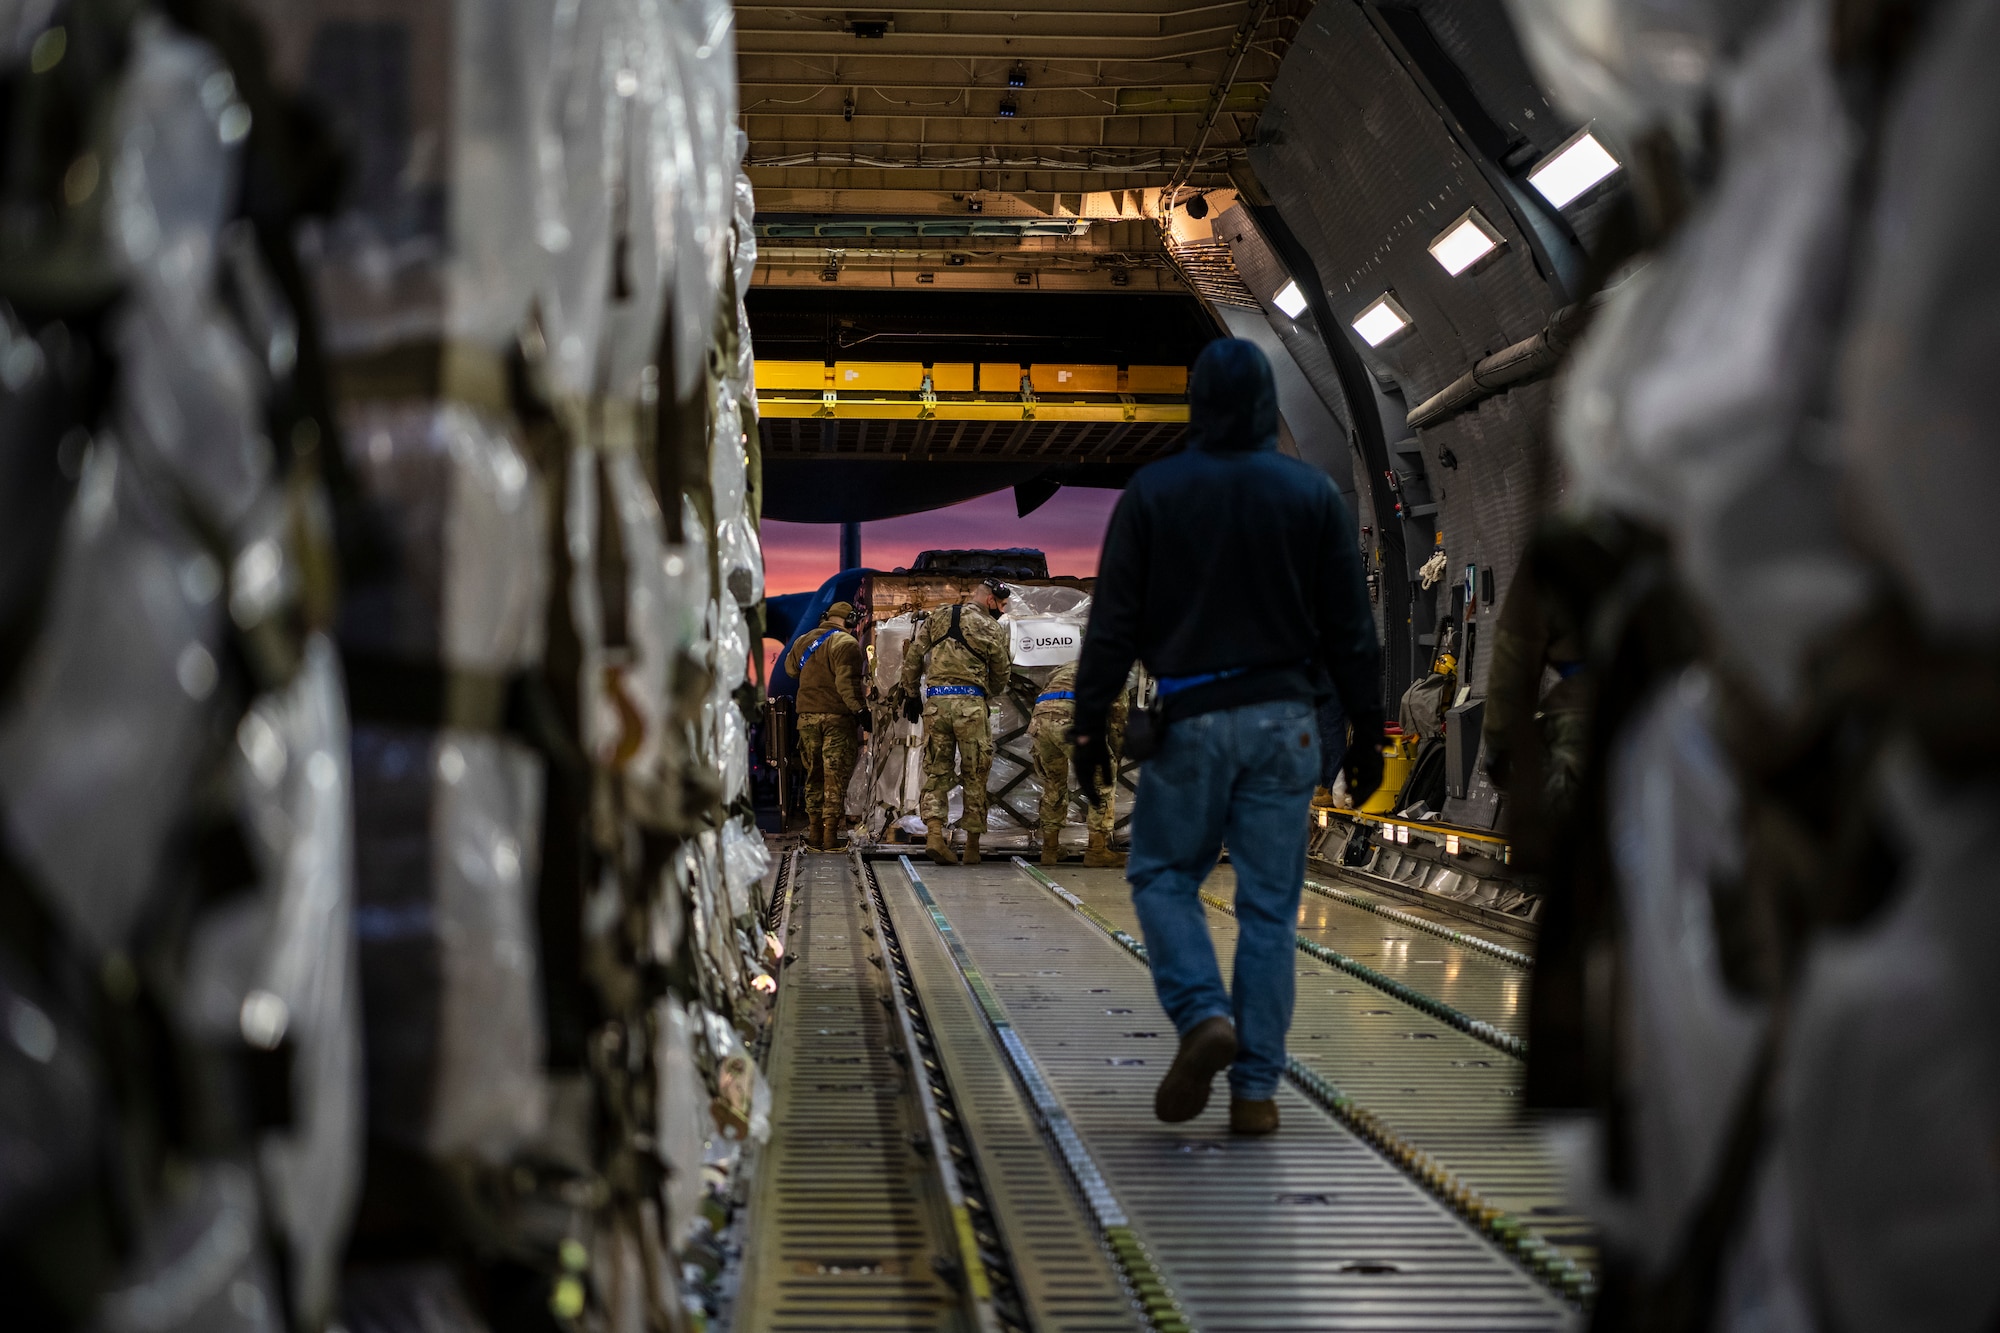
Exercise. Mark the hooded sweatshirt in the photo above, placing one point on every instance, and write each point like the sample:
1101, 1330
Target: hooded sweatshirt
1230, 557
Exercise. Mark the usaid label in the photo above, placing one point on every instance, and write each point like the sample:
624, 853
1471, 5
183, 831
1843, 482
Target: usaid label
1038, 643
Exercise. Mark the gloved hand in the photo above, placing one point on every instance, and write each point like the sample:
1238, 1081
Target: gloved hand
1093, 765
865, 719
1363, 762
913, 709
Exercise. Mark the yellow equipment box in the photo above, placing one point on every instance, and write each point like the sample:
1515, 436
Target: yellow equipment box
1156, 379
878, 376
791, 374
952, 377
999, 377
1074, 379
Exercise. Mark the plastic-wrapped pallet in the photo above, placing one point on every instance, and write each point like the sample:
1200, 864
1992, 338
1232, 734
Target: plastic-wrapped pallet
527, 303
424, 275
449, 804
639, 353
172, 614
1840, 1182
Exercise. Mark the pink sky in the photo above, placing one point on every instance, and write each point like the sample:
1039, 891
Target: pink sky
798, 557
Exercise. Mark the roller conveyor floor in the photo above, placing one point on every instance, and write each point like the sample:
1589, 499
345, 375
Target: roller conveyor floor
1039, 1041
1446, 1092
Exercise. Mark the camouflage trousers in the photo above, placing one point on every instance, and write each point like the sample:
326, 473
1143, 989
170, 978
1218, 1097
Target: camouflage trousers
955, 724
1047, 734
830, 745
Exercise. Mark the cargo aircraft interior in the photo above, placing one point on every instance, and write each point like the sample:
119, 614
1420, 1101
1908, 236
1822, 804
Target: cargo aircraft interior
455, 877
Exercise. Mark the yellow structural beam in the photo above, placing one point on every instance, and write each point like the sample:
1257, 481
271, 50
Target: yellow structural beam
849, 406
993, 378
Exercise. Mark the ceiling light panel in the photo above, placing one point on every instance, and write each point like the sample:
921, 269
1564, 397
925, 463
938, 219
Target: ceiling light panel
1381, 321
1464, 243
1290, 300
1567, 173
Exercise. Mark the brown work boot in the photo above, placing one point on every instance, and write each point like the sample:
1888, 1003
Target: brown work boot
1205, 1052
971, 848
1099, 856
1253, 1118
1323, 799
935, 845
813, 838
1051, 848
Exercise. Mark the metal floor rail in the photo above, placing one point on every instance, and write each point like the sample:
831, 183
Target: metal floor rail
912, 1155
906, 1184
850, 1225
1309, 1229
1444, 1091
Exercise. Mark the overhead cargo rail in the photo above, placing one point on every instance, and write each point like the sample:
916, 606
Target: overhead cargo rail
971, 377
891, 228
971, 391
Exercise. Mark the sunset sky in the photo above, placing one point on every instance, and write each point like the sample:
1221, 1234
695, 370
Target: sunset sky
798, 557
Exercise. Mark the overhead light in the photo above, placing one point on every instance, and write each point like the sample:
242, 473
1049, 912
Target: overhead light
956, 261
976, 206
1018, 76
1024, 279
1120, 278
1464, 243
1565, 174
1197, 207
1009, 108
829, 274
1381, 321
1290, 300
926, 277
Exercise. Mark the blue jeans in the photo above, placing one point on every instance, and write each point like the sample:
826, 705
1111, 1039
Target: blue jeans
1242, 776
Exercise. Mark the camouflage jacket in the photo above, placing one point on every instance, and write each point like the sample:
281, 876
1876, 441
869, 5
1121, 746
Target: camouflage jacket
832, 681
983, 659
1064, 678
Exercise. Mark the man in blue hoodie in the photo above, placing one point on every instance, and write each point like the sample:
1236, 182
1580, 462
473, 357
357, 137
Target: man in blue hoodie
1234, 574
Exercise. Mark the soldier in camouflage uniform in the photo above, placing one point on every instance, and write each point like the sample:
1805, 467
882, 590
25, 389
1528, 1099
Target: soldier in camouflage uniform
962, 655
1048, 731
829, 666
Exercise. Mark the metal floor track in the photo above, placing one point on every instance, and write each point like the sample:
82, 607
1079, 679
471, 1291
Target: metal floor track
1445, 1092
1310, 1229
848, 1226
851, 1225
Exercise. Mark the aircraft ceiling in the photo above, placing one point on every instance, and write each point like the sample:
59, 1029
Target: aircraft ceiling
934, 179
